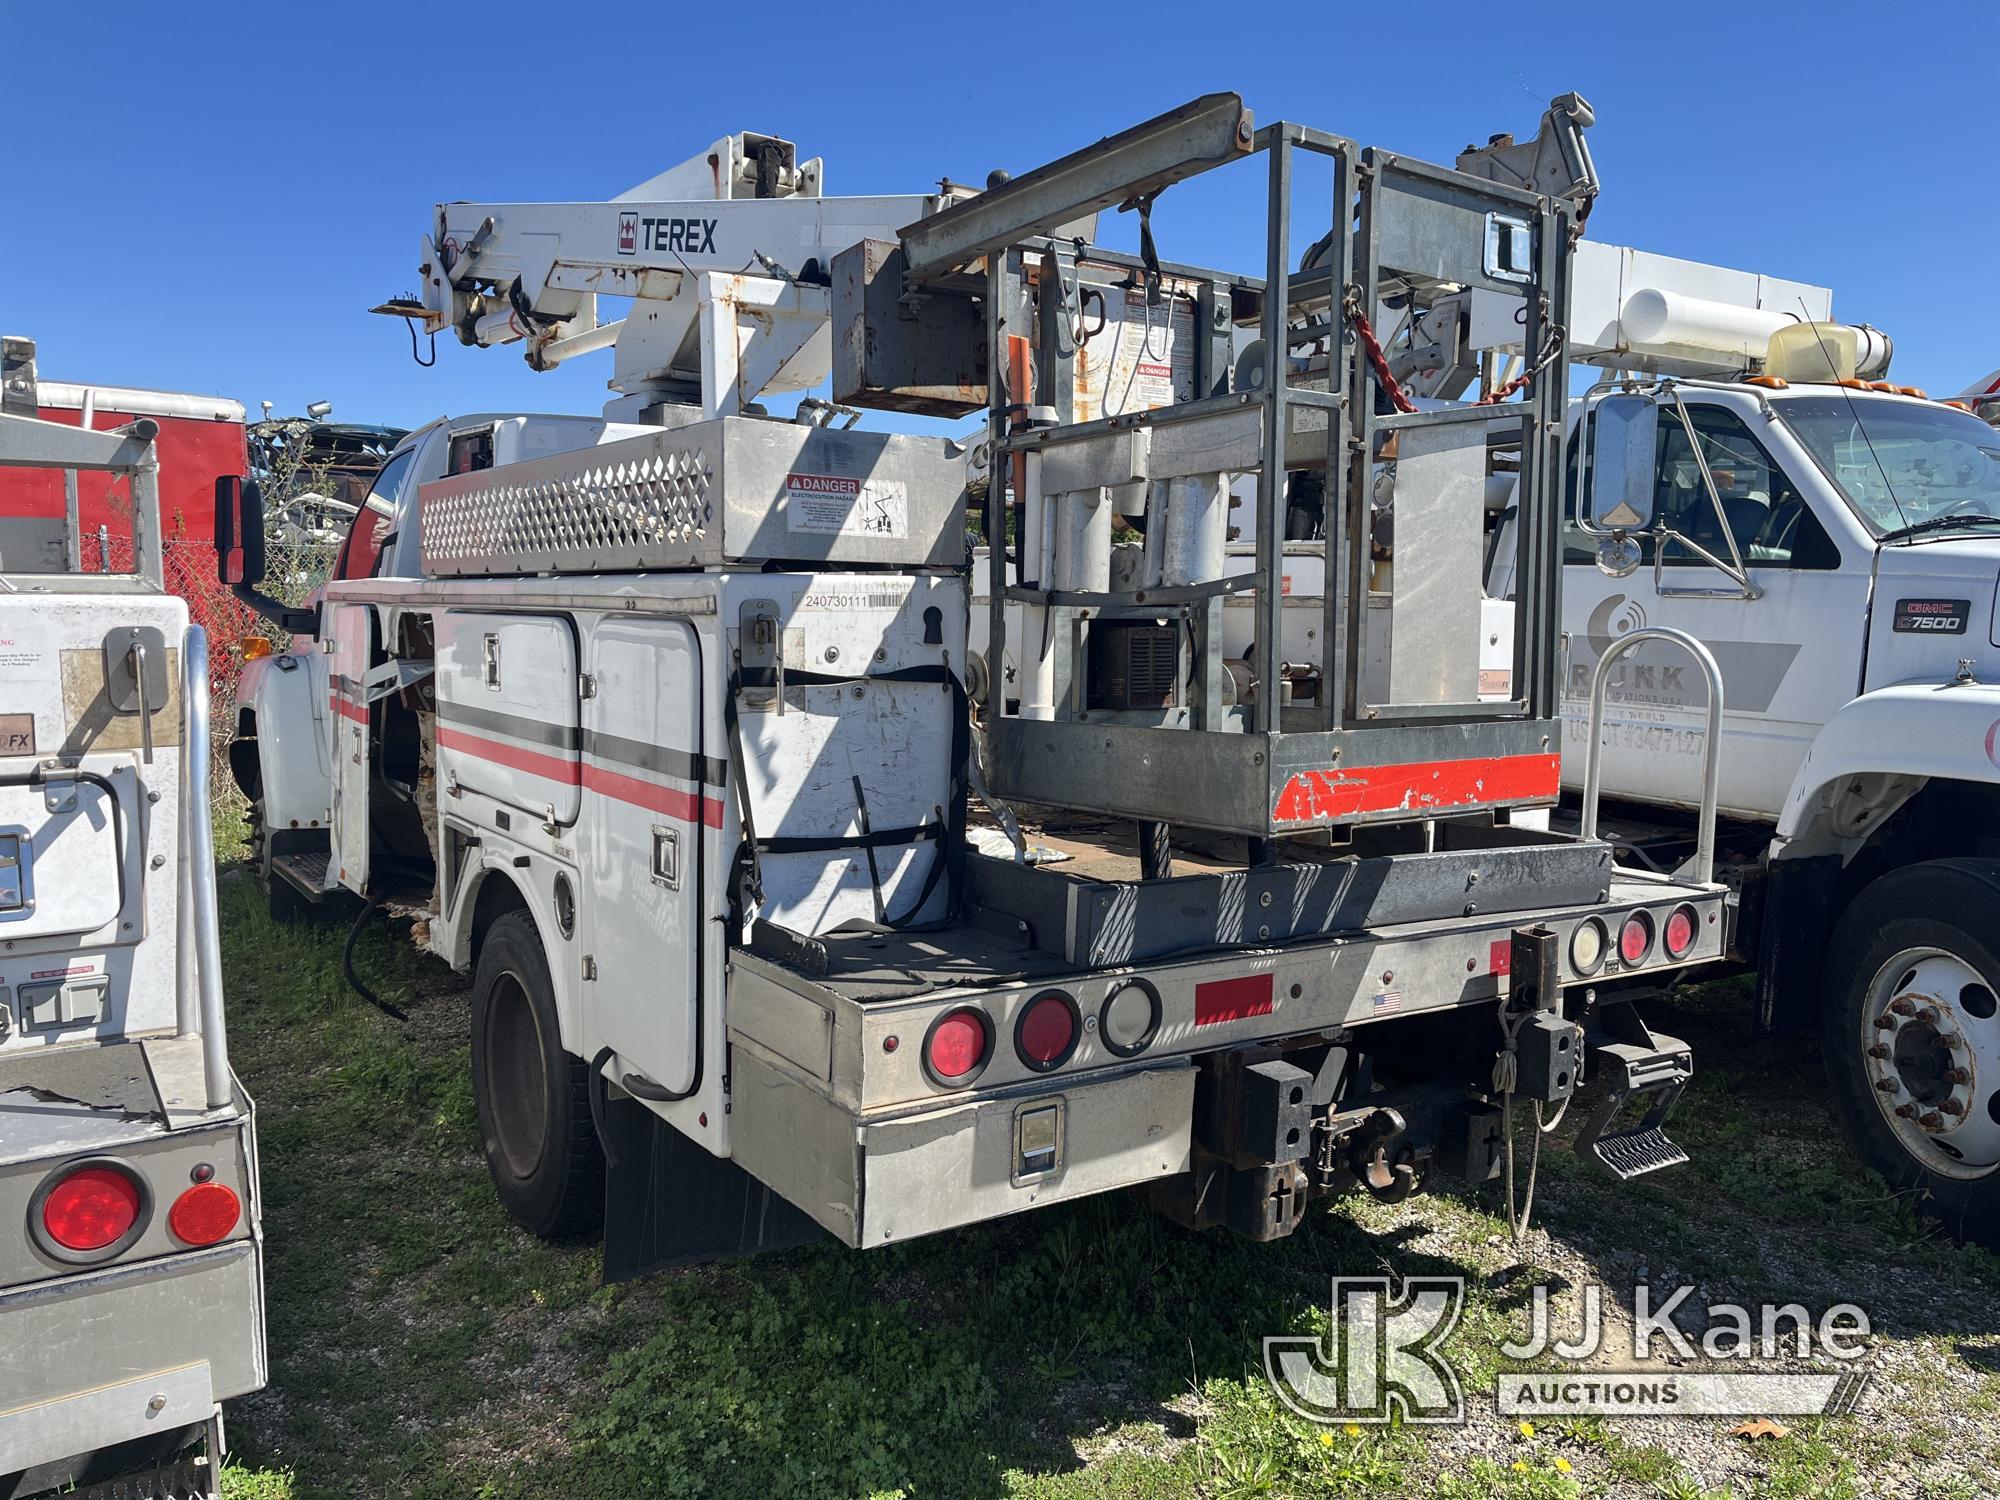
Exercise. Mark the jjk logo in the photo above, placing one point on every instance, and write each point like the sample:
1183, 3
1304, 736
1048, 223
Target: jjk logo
1382, 1359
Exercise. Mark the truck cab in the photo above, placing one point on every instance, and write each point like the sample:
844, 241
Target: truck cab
1836, 546
281, 754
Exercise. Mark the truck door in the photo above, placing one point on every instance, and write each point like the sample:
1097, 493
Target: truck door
1786, 633
350, 639
647, 804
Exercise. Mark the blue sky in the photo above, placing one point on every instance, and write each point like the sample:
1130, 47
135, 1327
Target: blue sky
208, 198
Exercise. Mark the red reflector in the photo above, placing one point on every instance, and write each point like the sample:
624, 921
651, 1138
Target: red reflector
1237, 999
91, 1208
1680, 931
957, 1044
1047, 1031
1635, 938
204, 1214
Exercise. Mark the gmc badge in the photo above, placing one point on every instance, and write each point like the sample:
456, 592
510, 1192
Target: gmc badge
1932, 616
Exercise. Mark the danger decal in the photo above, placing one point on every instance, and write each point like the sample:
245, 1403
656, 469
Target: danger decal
840, 505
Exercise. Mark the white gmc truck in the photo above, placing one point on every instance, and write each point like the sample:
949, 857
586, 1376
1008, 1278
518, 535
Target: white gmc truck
1837, 548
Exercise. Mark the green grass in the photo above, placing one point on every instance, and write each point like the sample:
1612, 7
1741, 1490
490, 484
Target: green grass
423, 1346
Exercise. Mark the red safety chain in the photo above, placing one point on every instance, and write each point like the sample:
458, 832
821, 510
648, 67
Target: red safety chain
1398, 398
1372, 347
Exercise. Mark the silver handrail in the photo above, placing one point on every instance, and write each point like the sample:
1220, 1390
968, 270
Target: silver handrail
1703, 863
199, 879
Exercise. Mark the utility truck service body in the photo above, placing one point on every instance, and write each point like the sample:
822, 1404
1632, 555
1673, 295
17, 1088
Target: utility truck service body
671, 732
131, 1287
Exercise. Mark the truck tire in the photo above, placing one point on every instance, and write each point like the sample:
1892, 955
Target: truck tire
1912, 1038
287, 904
533, 1097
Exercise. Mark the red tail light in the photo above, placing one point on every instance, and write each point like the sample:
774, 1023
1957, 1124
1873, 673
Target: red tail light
1046, 1034
204, 1214
1635, 938
956, 1048
1680, 931
91, 1209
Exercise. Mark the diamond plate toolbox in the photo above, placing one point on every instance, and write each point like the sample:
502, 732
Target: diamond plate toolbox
729, 490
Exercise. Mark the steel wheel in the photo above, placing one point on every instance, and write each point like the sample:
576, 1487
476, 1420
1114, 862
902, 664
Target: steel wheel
1930, 1040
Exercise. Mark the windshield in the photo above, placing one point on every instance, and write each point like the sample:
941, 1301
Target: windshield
1902, 463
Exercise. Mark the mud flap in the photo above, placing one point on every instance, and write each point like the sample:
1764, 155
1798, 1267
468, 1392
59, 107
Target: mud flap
668, 1203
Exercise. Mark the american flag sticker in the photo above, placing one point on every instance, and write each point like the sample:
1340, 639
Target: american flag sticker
1387, 1003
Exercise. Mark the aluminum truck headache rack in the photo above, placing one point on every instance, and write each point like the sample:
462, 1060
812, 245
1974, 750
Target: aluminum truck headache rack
1398, 723
131, 1287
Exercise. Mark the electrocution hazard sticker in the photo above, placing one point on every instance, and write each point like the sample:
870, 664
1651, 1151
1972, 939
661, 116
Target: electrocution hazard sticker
837, 505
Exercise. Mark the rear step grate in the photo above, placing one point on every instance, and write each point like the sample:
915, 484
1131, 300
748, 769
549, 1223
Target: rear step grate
306, 868
1633, 1153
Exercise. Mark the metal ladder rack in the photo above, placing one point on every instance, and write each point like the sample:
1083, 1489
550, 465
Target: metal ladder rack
1400, 230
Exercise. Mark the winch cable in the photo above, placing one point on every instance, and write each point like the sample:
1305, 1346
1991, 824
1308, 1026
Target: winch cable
368, 909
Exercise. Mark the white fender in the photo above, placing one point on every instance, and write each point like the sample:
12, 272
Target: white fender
1877, 751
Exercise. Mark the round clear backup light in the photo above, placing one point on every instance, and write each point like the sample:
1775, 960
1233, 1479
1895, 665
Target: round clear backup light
1587, 945
1130, 1018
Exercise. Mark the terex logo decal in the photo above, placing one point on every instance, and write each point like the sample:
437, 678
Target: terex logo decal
681, 235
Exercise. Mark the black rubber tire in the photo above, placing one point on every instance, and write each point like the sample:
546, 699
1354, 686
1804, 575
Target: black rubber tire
1942, 904
533, 1097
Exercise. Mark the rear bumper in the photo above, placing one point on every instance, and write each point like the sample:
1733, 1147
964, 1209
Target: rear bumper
874, 1180
108, 1356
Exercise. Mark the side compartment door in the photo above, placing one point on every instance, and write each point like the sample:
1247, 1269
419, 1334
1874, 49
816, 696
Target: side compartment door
507, 711
647, 804
351, 647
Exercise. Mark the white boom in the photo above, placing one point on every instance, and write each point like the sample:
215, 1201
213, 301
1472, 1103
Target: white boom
724, 256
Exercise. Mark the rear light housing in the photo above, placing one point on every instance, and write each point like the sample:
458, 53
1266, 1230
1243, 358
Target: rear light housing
1681, 929
1588, 945
1129, 1019
1635, 938
958, 1046
89, 1210
1047, 1031
205, 1214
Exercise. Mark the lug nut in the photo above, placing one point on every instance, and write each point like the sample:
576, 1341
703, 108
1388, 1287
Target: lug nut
1902, 1005
1928, 1015
1906, 1111
1885, 1022
1952, 1107
1880, 1049
1952, 1041
1932, 1120
1957, 1075
1887, 1085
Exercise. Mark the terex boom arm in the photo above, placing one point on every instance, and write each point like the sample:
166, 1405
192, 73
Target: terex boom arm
724, 256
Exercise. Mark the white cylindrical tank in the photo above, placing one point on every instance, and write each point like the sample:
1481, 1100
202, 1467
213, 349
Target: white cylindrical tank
1655, 320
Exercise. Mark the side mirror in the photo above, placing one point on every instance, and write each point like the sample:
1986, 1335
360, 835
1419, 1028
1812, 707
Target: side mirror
239, 531
1623, 461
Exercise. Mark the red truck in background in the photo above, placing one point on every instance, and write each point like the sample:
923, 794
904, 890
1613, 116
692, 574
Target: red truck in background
201, 438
